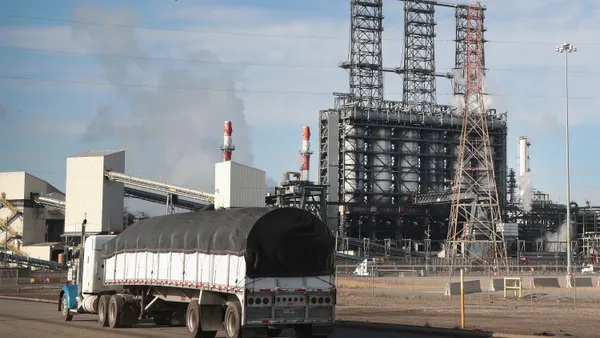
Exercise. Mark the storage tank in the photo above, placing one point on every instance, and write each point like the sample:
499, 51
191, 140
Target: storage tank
409, 171
380, 162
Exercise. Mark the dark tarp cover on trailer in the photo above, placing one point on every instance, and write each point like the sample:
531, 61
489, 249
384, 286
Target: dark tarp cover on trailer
276, 242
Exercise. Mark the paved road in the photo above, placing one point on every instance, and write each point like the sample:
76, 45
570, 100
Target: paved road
41, 320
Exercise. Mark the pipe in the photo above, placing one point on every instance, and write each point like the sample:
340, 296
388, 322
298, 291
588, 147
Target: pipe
228, 146
305, 152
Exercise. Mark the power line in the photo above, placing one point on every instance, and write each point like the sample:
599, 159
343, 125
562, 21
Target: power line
245, 63
263, 91
243, 33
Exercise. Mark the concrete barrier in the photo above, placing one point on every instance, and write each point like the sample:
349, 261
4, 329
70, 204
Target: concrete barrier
497, 284
472, 286
545, 282
583, 282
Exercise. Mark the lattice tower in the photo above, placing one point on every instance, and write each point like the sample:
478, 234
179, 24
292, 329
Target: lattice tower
365, 65
474, 221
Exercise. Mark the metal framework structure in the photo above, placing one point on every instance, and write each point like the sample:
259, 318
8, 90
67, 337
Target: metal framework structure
303, 195
419, 57
377, 156
474, 224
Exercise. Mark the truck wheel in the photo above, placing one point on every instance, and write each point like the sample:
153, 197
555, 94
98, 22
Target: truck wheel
115, 311
65, 311
103, 310
233, 320
192, 321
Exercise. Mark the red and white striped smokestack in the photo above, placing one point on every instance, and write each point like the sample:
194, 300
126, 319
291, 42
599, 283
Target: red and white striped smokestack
227, 146
305, 152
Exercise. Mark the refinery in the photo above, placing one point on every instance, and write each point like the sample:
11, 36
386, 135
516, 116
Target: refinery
387, 170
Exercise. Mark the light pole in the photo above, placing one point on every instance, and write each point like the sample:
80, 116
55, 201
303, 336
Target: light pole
567, 48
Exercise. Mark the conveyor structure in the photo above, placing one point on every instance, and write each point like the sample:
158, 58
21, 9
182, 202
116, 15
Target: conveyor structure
56, 201
169, 189
40, 263
10, 235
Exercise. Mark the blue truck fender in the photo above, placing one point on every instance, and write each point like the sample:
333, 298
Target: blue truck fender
69, 291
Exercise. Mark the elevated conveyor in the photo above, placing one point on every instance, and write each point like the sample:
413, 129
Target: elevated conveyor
166, 188
56, 201
13, 258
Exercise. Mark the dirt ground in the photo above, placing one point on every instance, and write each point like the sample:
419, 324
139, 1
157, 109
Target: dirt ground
545, 312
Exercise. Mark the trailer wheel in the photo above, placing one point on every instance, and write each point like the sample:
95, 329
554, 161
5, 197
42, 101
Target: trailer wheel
65, 311
192, 321
115, 311
233, 320
103, 310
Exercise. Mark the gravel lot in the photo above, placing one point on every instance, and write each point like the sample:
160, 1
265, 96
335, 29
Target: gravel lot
551, 312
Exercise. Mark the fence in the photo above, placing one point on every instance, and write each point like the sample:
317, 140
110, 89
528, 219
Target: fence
9, 276
433, 280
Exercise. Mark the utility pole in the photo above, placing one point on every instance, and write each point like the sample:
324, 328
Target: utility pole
567, 48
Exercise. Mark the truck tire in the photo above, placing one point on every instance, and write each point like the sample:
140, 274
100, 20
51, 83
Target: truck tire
192, 321
115, 311
65, 311
233, 320
103, 310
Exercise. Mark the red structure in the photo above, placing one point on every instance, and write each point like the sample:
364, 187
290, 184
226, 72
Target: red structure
227, 146
475, 232
305, 152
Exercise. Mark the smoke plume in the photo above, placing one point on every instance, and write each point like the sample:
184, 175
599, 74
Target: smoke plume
458, 101
559, 238
172, 129
2, 111
526, 191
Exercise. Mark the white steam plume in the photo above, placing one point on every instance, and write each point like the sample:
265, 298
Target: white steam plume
171, 131
526, 191
458, 101
559, 239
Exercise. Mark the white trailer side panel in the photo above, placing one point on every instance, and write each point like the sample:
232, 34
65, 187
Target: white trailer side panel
152, 271
220, 272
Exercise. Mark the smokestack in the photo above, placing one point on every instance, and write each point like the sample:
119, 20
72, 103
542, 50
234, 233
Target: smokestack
523, 155
305, 152
227, 146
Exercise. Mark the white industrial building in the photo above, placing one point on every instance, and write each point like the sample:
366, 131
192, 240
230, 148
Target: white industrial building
26, 227
92, 197
95, 192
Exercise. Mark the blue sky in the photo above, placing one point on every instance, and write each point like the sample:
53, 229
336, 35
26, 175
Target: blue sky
172, 129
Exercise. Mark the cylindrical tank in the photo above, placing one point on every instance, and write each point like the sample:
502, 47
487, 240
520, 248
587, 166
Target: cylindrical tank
436, 164
348, 171
523, 155
382, 176
61, 258
409, 171
90, 304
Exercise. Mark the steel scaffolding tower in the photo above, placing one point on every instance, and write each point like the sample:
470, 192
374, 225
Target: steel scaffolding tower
474, 222
365, 65
419, 57
376, 155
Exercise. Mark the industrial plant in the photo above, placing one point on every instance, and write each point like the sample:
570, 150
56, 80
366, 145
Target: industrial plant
392, 175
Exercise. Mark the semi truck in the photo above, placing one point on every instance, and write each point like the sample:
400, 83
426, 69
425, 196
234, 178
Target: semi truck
248, 272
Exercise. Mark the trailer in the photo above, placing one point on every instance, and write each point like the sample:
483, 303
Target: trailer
250, 272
